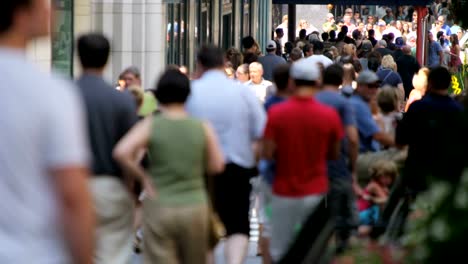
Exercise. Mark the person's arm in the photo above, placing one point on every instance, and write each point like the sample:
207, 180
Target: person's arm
440, 51
337, 134
71, 185
215, 159
353, 153
334, 150
384, 139
353, 145
257, 115
267, 145
128, 147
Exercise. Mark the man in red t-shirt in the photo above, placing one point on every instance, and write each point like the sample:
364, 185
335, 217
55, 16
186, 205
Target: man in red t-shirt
301, 135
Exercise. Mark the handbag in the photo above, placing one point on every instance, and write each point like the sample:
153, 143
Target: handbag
216, 229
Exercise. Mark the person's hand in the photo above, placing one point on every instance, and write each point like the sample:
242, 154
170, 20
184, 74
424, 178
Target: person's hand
148, 187
356, 187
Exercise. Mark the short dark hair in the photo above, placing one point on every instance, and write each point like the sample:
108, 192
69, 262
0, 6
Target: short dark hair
318, 46
373, 64
210, 57
281, 76
93, 50
332, 34
8, 9
371, 32
325, 36
439, 79
250, 57
302, 33
248, 42
333, 75
279, 31
172, 87
307, 48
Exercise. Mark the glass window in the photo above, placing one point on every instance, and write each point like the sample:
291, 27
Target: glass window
245, 18
176, 33
205, 19
62, 37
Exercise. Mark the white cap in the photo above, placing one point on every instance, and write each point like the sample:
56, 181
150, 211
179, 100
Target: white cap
304, 69
271, 45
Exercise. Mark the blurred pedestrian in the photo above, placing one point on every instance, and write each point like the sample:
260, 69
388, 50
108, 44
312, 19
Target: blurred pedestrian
47, 214
110, 114
132, 77
238, 120
181, 150
300, 181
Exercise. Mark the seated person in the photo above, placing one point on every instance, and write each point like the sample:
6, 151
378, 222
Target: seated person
370, 204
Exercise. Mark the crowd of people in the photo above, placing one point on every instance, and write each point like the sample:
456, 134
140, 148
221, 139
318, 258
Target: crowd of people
87, 167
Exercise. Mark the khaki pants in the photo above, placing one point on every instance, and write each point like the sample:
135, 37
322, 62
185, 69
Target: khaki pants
114, 213
174, 234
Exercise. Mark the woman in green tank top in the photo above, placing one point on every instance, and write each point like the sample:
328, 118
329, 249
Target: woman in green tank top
181, 151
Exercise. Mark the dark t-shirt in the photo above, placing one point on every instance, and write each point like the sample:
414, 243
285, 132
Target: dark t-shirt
407, 66
272, 100
110, 115
434, 130
339, 168
384, 51
389, 77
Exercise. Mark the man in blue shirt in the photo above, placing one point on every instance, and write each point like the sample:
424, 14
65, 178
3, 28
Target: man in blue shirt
435, 53
341, 171
270, 61
368, 84
238, 119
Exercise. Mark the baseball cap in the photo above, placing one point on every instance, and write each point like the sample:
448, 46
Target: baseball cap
367, 77
305, 69
271, 45
381, 23
399, 42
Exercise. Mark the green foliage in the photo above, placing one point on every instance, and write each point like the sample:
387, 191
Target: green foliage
441, 231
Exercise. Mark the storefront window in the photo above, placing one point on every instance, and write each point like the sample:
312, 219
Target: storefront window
62, 37
176, 33
245, 18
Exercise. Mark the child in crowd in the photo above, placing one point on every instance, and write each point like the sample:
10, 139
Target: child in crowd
370, 204
389, 104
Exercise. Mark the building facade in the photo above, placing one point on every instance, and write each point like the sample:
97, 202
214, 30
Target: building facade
149, 34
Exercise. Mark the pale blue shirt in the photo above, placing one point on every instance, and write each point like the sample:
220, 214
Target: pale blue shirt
42, 126
233, 110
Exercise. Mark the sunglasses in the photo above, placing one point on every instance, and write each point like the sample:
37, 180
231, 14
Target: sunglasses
373, 85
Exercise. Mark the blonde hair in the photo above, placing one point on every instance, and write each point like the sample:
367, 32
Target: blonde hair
383, 167
420, 79
349, 50
389, 63
138, 94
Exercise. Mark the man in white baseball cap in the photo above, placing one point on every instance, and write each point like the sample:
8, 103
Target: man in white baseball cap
301, 179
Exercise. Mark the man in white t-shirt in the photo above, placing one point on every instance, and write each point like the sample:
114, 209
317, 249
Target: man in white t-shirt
47, 214
261, 87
